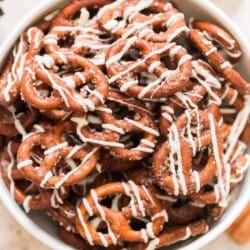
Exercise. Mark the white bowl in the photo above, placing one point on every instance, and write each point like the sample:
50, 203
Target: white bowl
39, 225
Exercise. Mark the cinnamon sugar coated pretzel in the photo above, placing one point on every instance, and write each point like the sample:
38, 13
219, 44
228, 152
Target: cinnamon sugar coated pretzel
125, 122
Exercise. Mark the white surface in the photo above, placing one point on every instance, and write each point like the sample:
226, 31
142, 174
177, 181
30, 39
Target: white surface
11, 235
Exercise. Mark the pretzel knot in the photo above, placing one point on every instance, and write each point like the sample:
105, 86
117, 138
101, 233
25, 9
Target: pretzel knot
218, 62
90, 80
24, 192
172, 164
67, 16
175, 234
14, 122
89, 42
75, 162
142, 203
156, 21
218, 35
138, 131
27, 47
126, 72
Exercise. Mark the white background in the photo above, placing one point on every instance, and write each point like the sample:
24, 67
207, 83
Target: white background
12, 236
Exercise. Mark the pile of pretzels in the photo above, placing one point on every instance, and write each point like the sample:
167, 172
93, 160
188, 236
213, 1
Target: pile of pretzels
125, 122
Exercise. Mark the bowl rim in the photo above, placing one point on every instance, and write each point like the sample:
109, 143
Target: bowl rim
232, 212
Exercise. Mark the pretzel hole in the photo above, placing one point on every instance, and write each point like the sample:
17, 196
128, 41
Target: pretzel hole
37, 155
169, 63
149, 11
66, 41
121, 112
138, 223
132, 54
131, 140
72, 139
28, 187
146, 78
159, 29
200, 159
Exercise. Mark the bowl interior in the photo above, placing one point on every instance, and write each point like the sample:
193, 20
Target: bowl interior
40, 225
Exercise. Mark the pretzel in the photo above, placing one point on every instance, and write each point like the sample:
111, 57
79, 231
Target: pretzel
138, 120
218, 62
64, 215
186, 181
78, 102
66, 15
28, 196
26, 48
168, 82
53, 154
13, 122
188, 99
91, 206
160, 22
218, 35
173, 235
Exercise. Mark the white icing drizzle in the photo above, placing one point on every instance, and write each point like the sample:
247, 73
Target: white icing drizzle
143, 127
237, 128
225, 65
55, 148
115, 203
148, 195
87, 207
26, 203
118, 56
144, 235
175, 151
85, 227
188, 234
137, 195
163, 214
10, 166
69, 174
95, 223
23, 164
196, 179
153, 244
114, 128
47, 176
18, 125
223, 171
81, 122
74, 150
103, 216
55, 199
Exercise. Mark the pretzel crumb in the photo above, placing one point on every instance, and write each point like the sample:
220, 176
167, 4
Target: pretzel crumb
239, 231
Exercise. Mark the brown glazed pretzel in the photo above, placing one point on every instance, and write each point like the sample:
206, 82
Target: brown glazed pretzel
27, 47
185, 181
53, 154
218, 62
28, 196
65, 16
176, 234
137, 119
159, 23
216, 34
79, 102
13, 122
91, 206
190, 98
168, 82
